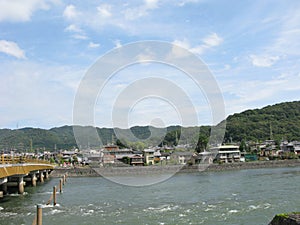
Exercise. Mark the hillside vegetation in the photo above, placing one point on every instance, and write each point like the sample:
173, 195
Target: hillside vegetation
280, 121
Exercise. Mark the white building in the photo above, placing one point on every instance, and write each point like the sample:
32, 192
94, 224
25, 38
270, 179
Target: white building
227, 153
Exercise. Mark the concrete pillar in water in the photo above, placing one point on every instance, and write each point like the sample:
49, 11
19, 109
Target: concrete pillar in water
33, 179
41, 177
4, 188
46, 174
20, 185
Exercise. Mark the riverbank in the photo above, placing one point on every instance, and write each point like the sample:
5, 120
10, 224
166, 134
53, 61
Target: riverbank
74, 172
254, 165
115, 171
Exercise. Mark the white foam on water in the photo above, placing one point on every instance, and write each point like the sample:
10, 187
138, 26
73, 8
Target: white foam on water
8, 214
54, 211
208, 209
88, 212
253, 207
267, 205
163, 208
1, 208
44, 193
50, 205
233, 211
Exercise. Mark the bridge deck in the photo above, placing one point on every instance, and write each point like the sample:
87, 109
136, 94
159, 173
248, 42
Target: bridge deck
7, 170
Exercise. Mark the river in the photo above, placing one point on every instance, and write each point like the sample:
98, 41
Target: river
242, 197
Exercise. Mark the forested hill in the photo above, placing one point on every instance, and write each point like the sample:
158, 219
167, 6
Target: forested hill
280, 121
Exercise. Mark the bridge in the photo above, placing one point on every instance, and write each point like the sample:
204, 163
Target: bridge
18, 172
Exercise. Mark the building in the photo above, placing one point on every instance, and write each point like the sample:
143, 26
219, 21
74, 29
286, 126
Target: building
112, 154
157, 156
137, 160
182, 157
205, 157
149, 156
268, 148
290, 147
227, 153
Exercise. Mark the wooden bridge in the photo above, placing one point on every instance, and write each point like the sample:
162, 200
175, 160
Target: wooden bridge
20, 171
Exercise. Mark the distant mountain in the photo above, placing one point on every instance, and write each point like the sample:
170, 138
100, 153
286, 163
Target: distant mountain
280, 121
277, 122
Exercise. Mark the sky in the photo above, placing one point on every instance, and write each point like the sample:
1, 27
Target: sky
251, 48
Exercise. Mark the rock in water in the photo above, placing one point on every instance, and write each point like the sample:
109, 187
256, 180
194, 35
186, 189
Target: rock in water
286, 219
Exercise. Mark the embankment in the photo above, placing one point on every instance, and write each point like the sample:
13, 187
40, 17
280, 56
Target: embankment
75, 172
116, 171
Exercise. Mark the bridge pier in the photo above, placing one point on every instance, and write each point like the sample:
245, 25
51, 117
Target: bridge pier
46, 174
21, 184
17, 181
4, 188
33, 179
41, 176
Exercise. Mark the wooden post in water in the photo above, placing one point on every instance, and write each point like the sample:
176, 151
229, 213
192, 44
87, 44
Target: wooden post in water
60, 185
54, 195
39, 214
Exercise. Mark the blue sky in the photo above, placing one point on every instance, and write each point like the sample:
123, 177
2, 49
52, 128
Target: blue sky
46, 47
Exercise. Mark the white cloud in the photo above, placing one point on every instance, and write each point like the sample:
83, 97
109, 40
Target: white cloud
151, 4
80, 36
73, 28
104, 10
263, 60
198, 49
70, 12
78, 33
184, 2
20, 11
178, 52
208, 42
12, 48
117, 43
212, 40
140, 11
94, 45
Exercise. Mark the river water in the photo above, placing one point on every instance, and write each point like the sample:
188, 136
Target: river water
244, 197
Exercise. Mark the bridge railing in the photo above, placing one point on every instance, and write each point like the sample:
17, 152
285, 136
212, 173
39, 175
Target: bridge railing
9, 159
